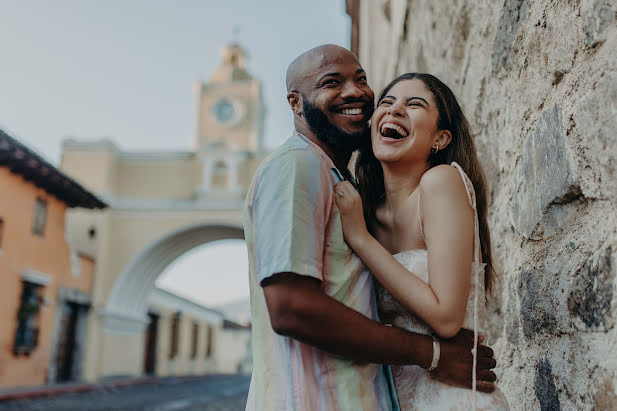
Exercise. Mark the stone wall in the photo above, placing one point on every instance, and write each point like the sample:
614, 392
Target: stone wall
538, 82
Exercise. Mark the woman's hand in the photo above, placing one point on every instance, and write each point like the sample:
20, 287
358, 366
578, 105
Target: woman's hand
349, 206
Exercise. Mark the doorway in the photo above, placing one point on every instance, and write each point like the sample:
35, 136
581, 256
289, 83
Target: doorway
66, 345
150, 344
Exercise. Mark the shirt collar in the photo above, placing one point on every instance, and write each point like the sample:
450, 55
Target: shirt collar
339, 176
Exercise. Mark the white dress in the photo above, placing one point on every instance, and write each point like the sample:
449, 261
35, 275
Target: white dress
415, 388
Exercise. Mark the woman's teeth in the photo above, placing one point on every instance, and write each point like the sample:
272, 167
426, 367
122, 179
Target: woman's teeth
352, 111
393, 131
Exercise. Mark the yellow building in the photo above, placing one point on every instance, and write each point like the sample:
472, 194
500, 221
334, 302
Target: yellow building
45, 284
183, 338
163, 204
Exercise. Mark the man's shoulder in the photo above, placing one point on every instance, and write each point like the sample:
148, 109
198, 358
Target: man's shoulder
294, 152
294, 164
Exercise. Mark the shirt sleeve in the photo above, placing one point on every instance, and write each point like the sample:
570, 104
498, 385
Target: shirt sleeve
290, 209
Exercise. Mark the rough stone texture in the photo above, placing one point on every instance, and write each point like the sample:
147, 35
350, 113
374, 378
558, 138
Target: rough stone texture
545, 387
538, 83
592, 294
544, 178
513, 13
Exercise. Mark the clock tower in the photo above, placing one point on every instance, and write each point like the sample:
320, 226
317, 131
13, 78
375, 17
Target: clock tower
229, 123
230, 104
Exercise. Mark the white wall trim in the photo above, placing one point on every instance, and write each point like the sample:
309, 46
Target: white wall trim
35, 277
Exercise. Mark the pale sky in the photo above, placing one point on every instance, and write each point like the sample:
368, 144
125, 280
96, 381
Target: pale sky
125, 70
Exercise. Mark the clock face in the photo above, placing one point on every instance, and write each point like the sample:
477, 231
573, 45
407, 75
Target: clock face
224, 111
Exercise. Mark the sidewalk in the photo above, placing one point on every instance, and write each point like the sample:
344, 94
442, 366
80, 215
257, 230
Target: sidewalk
52, 390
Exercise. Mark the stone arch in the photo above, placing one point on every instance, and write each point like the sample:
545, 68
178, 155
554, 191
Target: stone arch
125, 310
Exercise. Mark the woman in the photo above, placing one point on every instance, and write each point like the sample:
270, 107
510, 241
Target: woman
427, 240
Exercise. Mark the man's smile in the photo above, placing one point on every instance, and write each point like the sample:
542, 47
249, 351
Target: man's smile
352, 111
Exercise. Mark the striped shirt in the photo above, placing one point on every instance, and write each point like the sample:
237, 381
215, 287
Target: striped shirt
292, 225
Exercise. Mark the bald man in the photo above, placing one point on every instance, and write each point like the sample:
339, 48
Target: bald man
316, 344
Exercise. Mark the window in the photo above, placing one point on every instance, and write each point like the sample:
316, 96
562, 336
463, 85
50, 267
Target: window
175, 330
194, 340
209, 343
220, 168
40, 216
1, 232
220, 177
26, 337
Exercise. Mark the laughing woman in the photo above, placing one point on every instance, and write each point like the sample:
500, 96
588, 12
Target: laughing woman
426, 239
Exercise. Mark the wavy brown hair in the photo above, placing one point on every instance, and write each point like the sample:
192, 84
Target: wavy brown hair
461, 149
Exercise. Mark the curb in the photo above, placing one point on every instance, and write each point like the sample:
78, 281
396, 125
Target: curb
71, 389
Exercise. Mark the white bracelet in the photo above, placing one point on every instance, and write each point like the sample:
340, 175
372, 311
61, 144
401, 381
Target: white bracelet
436, 354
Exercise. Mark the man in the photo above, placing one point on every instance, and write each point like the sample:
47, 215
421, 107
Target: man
316, 344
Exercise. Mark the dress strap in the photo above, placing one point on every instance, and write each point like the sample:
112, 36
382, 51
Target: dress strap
471, 195
420, 214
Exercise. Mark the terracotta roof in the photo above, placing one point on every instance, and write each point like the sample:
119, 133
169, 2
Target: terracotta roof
24, 162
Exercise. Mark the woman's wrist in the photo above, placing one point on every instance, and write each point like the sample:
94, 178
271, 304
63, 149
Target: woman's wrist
360, 240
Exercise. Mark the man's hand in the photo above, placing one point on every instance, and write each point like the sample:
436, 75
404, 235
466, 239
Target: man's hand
456, 362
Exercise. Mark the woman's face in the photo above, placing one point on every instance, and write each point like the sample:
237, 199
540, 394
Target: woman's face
404, 124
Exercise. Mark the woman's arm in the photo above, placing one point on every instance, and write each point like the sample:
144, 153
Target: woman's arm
448, 229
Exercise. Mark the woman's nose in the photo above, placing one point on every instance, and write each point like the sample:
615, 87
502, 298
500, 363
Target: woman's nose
396, 109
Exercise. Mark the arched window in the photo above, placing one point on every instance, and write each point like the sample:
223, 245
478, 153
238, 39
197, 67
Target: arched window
220, 174
40, 216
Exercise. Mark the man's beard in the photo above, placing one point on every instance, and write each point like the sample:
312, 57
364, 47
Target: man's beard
333, 136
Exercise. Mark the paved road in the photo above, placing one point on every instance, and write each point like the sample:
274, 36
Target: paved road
221, 393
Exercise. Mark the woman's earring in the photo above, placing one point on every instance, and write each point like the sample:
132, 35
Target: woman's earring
434, 150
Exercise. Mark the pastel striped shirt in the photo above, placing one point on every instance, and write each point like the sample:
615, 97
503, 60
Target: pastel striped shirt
292, 225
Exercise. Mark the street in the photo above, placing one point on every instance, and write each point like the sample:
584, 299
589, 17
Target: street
213, 392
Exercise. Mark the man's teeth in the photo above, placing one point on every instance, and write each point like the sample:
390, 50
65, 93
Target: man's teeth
352, 111
399, 130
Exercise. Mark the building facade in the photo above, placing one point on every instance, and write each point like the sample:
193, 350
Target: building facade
46, 284
538, 83
185, 338
162, 204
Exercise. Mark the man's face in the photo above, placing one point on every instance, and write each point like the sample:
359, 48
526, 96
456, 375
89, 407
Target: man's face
337, 103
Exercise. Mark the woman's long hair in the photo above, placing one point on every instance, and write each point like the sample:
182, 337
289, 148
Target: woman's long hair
461, 149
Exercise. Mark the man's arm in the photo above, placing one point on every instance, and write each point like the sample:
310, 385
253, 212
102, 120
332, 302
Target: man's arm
298, 308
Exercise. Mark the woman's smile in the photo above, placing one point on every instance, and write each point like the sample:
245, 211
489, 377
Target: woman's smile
392, 130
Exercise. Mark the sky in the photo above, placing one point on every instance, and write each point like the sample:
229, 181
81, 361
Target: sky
125, 70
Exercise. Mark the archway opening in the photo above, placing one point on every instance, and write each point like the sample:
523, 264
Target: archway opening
214, 275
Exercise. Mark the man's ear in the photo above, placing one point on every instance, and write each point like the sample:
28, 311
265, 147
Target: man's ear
295, 102
444, 138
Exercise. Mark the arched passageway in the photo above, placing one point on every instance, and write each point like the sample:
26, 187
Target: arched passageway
125, 310
118, 345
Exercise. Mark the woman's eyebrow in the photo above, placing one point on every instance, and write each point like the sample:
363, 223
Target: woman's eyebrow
419, 98
408, 99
